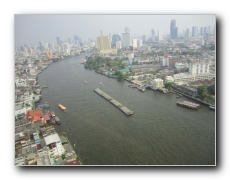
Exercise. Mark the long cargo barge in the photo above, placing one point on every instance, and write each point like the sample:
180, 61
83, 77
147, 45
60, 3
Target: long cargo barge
188, 104
114, 102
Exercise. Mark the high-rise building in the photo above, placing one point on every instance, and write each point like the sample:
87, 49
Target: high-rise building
134, 43
160, 35
194, 31
144, 38
173, 29
118, 45
66, 47
201, 30
40, 45
115, 38
186, 34
153, 35
58, 41
104, 46
51, 46
103, 42
139, 42
126, 38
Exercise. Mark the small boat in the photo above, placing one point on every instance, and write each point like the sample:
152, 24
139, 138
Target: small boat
100, 83
133, 85
212, 108
62, 107
141, 89
52, 114
57, 120
52, 121
85, 82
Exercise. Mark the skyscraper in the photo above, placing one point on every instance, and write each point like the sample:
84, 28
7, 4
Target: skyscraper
40, 45
58, 41
186, 34
201, 30
153, 35
126, 38
173, 29
104, 46
144, 38
160, 35
194, 31
115, 38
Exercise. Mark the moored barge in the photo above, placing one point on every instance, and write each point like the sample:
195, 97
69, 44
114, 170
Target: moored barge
188, 104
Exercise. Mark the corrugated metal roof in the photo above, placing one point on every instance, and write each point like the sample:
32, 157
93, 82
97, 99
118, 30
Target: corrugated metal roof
52, 139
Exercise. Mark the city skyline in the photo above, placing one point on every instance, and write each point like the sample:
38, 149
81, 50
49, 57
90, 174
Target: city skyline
30, 29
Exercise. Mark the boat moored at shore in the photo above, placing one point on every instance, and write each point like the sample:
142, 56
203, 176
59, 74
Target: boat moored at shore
140, 88
212, 108
57, 120
188, 104
133, 85
52, 114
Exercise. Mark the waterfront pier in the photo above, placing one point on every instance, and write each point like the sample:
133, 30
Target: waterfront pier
114, 102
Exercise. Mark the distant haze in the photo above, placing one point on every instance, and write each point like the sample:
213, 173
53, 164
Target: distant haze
30, 29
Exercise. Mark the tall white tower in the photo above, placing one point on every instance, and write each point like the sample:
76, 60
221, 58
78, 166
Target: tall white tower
160, 35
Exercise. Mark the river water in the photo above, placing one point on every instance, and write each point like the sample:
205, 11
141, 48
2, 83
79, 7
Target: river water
159, 132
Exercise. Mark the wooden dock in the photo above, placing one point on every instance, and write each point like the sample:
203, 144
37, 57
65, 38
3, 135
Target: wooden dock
114, 102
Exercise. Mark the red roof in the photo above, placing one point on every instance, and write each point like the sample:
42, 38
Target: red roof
35, 115
44, 121
46, 117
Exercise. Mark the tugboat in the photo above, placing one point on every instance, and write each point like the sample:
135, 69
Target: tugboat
62, 107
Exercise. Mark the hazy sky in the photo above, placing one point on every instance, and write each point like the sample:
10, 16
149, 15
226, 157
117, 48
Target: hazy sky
30, 29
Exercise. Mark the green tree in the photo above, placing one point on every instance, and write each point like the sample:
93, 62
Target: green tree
63, 156
119, 75
168, 85
211, 89
201, 90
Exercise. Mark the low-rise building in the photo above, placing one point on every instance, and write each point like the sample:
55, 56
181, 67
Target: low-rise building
169, 79
185, 77
185, 89
157, 84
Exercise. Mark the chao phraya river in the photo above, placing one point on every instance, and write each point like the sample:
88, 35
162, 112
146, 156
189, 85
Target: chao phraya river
158, 133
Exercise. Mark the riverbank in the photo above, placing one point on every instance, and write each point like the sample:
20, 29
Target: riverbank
71, 157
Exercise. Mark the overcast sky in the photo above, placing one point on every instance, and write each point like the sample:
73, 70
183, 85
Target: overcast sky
30, 29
